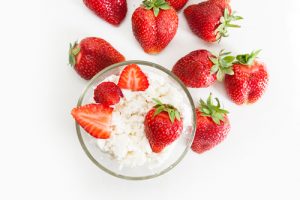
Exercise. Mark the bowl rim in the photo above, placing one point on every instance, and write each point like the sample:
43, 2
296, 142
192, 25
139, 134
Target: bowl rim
148, 64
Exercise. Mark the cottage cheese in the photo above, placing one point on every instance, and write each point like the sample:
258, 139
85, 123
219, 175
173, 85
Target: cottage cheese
128, 143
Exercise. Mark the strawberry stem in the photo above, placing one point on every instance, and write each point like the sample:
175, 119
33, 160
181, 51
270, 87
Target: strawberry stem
156, 5
222, 64
209, 109
171, 110
225, 22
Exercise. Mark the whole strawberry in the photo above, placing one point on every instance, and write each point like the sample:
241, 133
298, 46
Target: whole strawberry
112, 11
107, 93
177, 4
249, 81
163, 126
210, 20
154, 25
212, 125
92, 55
200, 68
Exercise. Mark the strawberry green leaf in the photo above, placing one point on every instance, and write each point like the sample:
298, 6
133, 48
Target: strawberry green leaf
156, 11
158, 110
209, 109
177, 115
171, 110
73, 51
157, 101
206, 111
247, 59
222, 64
216, 120
156, 5
229, 71
225, 23
214, 59
171, 115
233, 26
220, 75
229, 59
165, 6
218, 101
214, 69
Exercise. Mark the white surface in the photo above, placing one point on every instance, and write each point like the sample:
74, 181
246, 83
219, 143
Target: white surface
41, 157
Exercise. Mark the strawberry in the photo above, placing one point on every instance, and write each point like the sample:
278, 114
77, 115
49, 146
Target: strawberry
133, 78
222, 3
112, 11
163, 126
94, 119
107, 93
249, 81
92, 55
210, 20
201, 68
154, 25
177, 4
212, 125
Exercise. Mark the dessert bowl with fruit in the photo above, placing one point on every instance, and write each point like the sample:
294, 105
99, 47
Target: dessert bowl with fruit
135, 120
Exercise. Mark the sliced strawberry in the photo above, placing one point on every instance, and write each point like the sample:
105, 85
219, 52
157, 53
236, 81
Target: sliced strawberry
133, 78
107, 93
94, 119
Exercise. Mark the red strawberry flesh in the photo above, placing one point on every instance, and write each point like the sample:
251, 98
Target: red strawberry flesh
95, 119
133, 78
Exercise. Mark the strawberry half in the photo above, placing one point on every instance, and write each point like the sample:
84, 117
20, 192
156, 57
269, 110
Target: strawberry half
133, 78
163, 125
107, 93
94, 119
212, 125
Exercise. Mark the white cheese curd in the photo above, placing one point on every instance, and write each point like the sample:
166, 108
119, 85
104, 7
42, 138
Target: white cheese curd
128, 143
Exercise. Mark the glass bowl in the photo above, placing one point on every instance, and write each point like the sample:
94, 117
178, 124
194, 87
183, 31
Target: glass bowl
104, 161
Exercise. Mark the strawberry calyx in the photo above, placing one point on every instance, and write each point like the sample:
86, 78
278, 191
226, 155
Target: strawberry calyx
226, 22
73, 52
171, 110
156, 5
222, 64
209, 109
247, 59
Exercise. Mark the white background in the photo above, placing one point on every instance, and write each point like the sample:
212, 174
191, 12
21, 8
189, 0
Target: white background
41, 157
